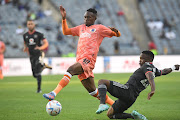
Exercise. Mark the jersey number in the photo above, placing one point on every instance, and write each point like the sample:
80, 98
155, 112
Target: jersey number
145, 82
86, 61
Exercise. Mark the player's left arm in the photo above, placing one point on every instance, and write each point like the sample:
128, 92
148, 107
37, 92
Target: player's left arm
169, 70
44, 46
150, 77
115, 32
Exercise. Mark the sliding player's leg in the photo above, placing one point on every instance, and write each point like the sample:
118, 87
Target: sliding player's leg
93, 91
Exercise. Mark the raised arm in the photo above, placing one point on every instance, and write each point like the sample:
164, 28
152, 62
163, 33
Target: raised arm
115, 32
169, 70
66, 30
150, 78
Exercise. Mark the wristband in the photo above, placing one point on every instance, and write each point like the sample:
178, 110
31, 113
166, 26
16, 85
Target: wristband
173, 67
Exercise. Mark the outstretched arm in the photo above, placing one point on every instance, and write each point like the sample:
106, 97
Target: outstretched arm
169, 70
66, 30
150, 78
115, 32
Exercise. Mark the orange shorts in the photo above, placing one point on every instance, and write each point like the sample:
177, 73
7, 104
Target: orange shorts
88, 67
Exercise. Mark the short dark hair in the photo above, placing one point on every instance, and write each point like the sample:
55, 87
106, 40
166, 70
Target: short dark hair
92, 10
30, 20
149, 53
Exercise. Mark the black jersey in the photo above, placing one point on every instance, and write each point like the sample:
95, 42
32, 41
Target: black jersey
139, 81
33, 40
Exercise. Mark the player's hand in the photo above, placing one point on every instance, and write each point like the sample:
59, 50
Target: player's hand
113, 29
177, 67
37, 48
63, 12
25, 49
150, 95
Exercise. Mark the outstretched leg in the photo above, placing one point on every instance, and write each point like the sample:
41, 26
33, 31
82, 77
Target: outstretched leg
75, 69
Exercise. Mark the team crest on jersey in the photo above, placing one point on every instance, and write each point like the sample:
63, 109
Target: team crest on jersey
31, 41
35, 36
93, 30
26, 36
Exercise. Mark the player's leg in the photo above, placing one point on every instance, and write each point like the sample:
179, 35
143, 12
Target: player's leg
103, 85
116, 111
93, 91
39, 79
37, 69
75, 69
41, 59
1, 64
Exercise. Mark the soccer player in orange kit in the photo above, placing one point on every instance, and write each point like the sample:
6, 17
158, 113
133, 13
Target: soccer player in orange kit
90, 38
2, 50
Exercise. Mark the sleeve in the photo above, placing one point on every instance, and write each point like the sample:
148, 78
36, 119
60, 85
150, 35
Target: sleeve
106, 32
147, 68
41, 36
158, 72
76, 30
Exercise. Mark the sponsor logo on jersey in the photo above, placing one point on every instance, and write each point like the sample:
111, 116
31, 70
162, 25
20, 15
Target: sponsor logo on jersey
26, 36
31, 41
84, 35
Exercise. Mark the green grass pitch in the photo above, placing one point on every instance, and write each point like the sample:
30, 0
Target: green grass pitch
19, 100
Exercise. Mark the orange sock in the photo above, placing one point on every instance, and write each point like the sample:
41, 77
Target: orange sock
108, 99
64, 81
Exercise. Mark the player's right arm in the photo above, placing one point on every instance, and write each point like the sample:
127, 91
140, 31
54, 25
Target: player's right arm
169, 70
66, 30
150, 77
25, 49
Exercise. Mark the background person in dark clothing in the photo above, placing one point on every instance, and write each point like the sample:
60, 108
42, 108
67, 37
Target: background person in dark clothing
34, 44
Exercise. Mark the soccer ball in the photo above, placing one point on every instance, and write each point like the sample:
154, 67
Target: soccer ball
53, 107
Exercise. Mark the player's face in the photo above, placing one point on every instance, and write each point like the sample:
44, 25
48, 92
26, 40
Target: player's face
143, 59
30, 25
89, 18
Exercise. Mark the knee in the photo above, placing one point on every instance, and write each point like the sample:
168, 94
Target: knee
34, 75
101, 81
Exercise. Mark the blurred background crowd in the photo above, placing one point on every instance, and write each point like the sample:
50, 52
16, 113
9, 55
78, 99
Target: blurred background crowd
144, 24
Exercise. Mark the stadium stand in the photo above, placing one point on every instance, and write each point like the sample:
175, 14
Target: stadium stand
13, 17
162, 19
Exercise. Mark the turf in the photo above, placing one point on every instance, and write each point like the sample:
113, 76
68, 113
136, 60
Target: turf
19, 100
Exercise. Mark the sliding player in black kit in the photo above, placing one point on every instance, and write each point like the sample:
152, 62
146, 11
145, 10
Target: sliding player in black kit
34, 44
128, 93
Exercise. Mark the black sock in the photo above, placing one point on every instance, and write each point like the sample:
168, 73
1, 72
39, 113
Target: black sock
122, 116
39, 82
102, 93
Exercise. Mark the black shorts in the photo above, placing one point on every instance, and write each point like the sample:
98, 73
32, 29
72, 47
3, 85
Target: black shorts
36, 65
124, 94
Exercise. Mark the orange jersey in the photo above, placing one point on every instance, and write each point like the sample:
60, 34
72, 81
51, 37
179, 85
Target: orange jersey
90, 39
